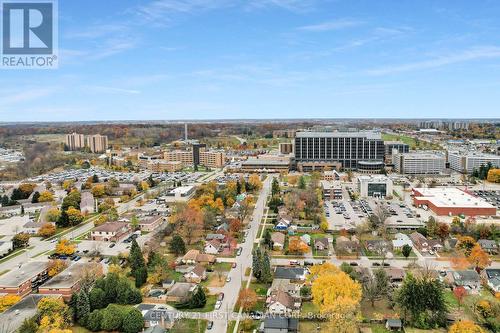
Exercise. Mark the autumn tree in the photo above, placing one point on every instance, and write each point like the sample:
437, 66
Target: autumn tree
466, 243
56, 266
75, 217
65, 247
337, 297
20, 240
245, 207
296, 245
479, 258
247, 299
6, 301
46, 196
255, 182
459, 293
443, 231
98, 190
53, 313
53, 214
235, 225
189, 222
465, 326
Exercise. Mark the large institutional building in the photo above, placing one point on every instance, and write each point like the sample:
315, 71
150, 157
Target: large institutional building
467, 162
96, 143
317, 150
419, 163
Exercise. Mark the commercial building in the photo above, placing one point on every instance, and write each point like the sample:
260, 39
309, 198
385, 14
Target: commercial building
146, 159
419, 163
374, 186
284, 133
182, 192
197, 148
468, 161
23, 280
212, 159
266, 164
75, 141
164, 166
87, 203
390, 146
111, 232
332, 190
68, 281
451, 201
183, 156
316, 150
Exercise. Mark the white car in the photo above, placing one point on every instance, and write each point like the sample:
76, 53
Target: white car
228, 279
218, 305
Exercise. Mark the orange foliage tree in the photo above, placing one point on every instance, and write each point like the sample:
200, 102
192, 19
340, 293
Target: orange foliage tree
247, 299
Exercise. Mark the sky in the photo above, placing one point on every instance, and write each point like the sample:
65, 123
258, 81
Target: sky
260, 59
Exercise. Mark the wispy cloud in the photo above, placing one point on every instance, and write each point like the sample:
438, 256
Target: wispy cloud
478, 53
112, 90
290, 5
331, 25
28, 95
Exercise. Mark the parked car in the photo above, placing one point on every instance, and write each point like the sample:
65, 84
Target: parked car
210, 325
112, 245
228, 279
218, 305
220, 297
353, 263
233, 265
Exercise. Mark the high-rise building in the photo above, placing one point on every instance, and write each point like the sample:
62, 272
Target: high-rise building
286, 148
184, 156
419, 163
75, 141
197, 147
212, 159
97, 143
468, 161
400, 146
316, 150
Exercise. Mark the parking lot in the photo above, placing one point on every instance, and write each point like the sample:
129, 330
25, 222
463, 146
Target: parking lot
492, 197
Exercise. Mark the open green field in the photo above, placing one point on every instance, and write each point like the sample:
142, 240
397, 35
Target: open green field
409, 141
189, 326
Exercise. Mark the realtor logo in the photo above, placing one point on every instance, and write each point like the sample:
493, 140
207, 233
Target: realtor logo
29, 34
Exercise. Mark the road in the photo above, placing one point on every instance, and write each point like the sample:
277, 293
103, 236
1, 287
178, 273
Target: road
231, 289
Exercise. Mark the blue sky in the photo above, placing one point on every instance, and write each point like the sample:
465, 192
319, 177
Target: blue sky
222, 59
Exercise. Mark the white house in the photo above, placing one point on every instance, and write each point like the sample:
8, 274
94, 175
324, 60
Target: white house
196, 275
281, 303
212, 247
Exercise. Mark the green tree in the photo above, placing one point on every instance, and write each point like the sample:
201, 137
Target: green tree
35, 197
97, 298
302, 183
20, 240
275, 187
137, 264
376, 286
177, 245
267, 239
257, 263
82, 308
406, 250
266, 275
95, 320
29, 325
133, 321
112, 318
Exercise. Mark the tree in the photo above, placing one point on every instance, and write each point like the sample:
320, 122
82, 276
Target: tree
465, 326
65, 247
36, 197
422, 301
376, 286
98, 190
257, 263
266, 276
82, 308
255, 182
134, 223
75, 217
46, 196
97, 298
245, 207
53, 313
296, 245
112, 318
302, 183
47, 230
247, 299
267, 239
459, 293
466, 243
235, 225
406, 250
133, 321
7, 301
94, 320
53, 214
494, 176
479, 258
56, 266
29, 325
177, 245
138, 264
337, 297
275, 187
443, 231
20, 240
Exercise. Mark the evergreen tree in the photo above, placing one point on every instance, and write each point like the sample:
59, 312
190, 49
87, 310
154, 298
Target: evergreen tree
177, 245
266, 276
275, 187
5, 201
267, 239
82, 308
141, 276
136, 258
97, 298
133, 322
35, 197
302, 182
94, 321
238, 187
256, 263
95, 179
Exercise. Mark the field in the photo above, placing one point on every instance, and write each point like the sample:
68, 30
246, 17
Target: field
189, 326
409, 141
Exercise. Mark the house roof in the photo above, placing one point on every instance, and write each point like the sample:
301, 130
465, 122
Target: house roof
282, 323
191, 255
322, 240
215, 243
181, 289
283, 298
468, 275
278, 237
215, 236
487, 243
394, 323
198, 270
292, 273
111, 227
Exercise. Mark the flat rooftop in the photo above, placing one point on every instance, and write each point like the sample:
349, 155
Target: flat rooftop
19, 276
312, 134
266, 162
451, 197
67, 278
182, 190
423, 154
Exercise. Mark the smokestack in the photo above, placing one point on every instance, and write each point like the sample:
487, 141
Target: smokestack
185, 131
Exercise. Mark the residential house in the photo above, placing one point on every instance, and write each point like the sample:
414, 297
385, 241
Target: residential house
194, 256
488, 245
111, 232
419, 241
167, 284
469, 279
280, 324
196, 275
321, 244
283, 224
291, 273
213, 247
278, 239
293, 289
395, 275
492, 276
400, 240
344, 244
180, 291
157, 318
220, 237
281, 303
394, 325
377, 246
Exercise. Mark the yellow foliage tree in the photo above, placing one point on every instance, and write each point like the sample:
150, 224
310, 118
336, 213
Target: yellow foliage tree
46, 196
98, 190
56, 266
67, 184
494, 176
465, 326
478, 257
65, 247
255, 181
296, 245
7, 301
54, 314
337, 297
53, 214
47, 230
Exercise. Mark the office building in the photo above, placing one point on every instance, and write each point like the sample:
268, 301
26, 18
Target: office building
419, 163
332, 190
267, 163
197, 148
145, 159
212, 159
390, 146
97, 143
23, 280
284, 133
375, 186
468, 161
451, 201
75, 141
316, 150
286, 148
183, 156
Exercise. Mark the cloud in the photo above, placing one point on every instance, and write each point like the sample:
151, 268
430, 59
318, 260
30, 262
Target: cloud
290, 5
331, 25
112, 90
28, 95
487, 52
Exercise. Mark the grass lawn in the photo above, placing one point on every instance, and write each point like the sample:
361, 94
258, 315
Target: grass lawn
189, 326
312, 326
417, 330
381, 308
259, 288
450, 299
223, 266
309, 309
79, 329
209, 306
378, 328
230, 326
